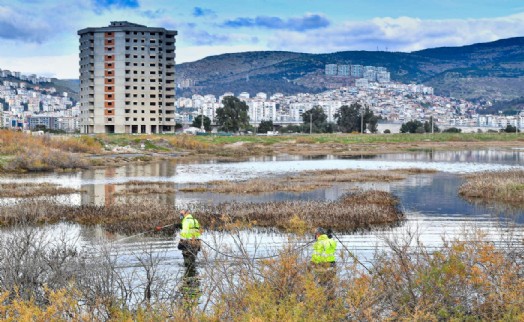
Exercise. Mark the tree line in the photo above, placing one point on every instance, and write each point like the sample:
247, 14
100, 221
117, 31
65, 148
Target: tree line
233, 117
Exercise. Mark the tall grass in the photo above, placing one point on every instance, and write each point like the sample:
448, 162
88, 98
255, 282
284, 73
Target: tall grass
44, 153
360, 210
304, 181
26, 190
495, 187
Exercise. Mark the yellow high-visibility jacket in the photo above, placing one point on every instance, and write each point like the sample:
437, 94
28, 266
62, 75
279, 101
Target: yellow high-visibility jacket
324, 250
190, 228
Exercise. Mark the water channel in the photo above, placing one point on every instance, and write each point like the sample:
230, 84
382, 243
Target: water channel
431, 202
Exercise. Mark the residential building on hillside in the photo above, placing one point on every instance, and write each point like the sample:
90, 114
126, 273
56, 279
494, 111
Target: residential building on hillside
331, 69
127, 79
343, 70
357, 71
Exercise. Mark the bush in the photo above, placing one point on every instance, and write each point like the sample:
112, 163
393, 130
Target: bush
452, 130
387, 131
510, 129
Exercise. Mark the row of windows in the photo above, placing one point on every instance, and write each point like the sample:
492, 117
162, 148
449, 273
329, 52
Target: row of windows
142, 48
143, 41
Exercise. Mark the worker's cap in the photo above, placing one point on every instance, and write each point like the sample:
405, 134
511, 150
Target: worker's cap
182, 212
320, 231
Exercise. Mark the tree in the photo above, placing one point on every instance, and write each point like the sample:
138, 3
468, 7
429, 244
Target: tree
411, 127
197, 122
510, 129
317, 117
265, 126
233, 116
349, 119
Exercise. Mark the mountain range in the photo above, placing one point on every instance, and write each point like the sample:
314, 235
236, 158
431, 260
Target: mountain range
479, 72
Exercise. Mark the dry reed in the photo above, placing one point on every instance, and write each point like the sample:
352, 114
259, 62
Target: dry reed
359, 210
44, 153
26, 190
492, 187
304, 181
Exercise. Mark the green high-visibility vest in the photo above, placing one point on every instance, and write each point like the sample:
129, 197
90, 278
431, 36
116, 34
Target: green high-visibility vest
190, 228
324, 250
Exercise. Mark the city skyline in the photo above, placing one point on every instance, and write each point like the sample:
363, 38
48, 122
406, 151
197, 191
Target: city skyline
40, 36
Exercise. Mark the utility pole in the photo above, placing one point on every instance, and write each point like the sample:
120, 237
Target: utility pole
311, 123
362, 119
431, 119
202, 120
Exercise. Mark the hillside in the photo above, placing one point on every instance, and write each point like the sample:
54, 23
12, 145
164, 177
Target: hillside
487, 71
70, 86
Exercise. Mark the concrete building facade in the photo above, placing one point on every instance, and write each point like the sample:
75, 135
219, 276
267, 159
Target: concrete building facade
127, 79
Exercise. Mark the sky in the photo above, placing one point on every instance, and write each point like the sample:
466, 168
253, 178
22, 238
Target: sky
40, 36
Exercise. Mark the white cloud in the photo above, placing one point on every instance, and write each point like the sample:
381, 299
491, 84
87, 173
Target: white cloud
399, 34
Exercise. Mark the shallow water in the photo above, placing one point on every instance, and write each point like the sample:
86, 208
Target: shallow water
430, 201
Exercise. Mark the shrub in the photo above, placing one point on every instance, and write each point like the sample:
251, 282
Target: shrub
453, 130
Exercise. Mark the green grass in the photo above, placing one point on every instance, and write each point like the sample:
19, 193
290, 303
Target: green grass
152, 142
366, 138
4, 160
148, 145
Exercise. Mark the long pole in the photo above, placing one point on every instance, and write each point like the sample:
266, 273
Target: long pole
311, 123
202, 119
362, 119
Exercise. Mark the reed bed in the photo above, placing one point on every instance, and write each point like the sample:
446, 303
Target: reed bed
495, 187
254, 186
44, 153
358, 210
146, 190
27, 190
302, 182
127, 217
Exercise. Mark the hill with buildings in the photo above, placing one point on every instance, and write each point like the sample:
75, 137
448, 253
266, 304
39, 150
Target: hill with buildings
482, 72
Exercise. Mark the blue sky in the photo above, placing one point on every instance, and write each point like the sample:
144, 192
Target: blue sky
39, 36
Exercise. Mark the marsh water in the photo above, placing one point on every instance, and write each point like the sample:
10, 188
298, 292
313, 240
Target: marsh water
433, 208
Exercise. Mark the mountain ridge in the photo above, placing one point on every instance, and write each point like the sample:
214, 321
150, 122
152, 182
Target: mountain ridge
482, 71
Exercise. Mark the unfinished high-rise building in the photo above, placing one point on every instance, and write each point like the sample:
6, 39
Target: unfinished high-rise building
127, 79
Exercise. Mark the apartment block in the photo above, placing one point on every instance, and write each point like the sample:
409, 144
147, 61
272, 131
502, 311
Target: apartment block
331, 69
127, 79
343, 70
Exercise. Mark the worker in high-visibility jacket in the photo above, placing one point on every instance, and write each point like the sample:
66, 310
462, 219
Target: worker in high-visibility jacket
190, 242
324, 248
323, 259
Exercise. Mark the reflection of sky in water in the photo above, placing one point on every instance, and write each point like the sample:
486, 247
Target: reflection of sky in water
169, 171
430, 201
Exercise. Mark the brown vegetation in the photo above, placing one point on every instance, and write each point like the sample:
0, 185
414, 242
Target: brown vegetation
26, 190
360, 210
464, 280
495, 187
44, 153
146, 188
304, 181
